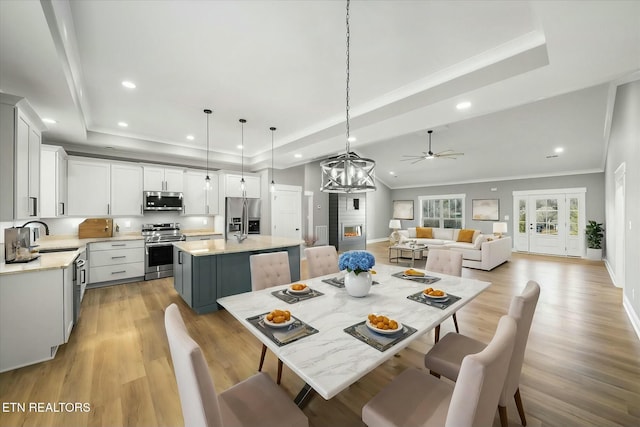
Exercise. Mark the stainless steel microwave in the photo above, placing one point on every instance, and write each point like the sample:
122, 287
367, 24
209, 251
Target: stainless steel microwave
162, 201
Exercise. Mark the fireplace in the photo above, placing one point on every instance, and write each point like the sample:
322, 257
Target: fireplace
347, 219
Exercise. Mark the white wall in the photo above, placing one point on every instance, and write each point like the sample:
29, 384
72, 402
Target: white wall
624, 146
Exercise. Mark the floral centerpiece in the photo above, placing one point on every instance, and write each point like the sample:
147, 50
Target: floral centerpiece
358, 264
356, 261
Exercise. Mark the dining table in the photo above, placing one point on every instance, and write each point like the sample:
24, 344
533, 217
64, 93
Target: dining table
327, 341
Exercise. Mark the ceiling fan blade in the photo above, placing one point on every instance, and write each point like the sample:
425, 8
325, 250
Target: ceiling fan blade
419, 160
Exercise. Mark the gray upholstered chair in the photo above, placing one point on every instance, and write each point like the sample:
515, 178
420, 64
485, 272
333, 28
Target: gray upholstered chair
447, 355
445, 262
267, 270
255, 401
321, 260
415, 398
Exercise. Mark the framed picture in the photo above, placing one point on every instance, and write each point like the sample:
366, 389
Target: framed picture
485, 209
403, 209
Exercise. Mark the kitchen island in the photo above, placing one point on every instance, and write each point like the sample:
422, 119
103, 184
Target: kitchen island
204, 271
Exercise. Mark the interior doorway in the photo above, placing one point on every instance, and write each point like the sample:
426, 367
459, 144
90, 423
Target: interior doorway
550, 222
620, 221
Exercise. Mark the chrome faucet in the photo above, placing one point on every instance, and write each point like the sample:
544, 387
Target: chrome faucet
240, 237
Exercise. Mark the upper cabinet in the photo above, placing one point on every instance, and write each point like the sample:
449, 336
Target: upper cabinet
20, 140
163, 179
198, 200
233, 187
126, 189
53, 181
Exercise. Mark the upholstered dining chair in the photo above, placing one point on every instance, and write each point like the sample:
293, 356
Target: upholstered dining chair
415, 398
321, 260
445, 358
267, 270
445, 262
256, 401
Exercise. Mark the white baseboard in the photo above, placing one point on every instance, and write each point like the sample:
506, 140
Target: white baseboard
633, 317
611, 273
382, 239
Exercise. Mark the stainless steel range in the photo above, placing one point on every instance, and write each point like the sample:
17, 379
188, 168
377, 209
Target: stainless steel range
158, 249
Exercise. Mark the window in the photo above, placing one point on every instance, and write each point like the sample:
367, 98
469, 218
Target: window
442, 211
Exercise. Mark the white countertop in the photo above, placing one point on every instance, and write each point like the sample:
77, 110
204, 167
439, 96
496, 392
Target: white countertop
331, 360
192, 233
254, 242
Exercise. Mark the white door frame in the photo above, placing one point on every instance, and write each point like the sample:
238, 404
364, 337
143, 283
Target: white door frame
620, 223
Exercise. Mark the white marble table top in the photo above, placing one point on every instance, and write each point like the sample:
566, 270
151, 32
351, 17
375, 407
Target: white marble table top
331, 360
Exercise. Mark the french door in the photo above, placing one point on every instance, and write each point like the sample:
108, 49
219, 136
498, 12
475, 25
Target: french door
549, 221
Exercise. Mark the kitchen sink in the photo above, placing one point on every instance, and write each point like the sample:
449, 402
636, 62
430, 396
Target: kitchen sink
46, 251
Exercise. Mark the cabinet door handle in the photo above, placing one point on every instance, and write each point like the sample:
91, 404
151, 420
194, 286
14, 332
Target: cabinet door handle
34, 206
119, 272
108, 208
117, 257
83, 276
62, 208
179, 257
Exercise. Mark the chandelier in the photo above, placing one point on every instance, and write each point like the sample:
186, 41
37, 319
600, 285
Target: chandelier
348, 172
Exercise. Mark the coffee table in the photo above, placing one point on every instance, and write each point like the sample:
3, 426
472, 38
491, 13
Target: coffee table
413, 248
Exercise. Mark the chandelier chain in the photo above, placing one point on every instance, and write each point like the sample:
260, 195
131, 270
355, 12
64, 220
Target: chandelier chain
348, 74
273, 174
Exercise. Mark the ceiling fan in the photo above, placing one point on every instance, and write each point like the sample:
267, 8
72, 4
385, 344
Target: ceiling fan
428, 155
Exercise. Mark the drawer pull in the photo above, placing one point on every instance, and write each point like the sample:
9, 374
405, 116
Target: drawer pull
116, 257
119, 244
119, 272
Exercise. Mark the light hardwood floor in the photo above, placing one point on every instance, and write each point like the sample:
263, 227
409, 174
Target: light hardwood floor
582, 366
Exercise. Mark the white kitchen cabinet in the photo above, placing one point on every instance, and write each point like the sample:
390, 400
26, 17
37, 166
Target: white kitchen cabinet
53, 181
126, 189
233, 185
163, 179
20, 140
197, 199
116, 261
89, 183
36, 315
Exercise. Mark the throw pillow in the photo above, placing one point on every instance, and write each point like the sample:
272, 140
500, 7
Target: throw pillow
424, 232
466, 236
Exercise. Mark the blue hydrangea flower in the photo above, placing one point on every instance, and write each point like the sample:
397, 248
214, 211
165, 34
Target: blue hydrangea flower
356, 261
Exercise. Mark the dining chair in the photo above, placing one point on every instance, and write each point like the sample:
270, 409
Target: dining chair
445, 262
446, 356
267, 270
252, 402
321, 260
415, 398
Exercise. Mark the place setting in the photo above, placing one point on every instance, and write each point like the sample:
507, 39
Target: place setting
281, 327
379, 331
296, 292
338, 281
435, 298
416, 276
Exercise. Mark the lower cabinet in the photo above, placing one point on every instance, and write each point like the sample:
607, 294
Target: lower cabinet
36, 316
201, 280
205, 237
116, 262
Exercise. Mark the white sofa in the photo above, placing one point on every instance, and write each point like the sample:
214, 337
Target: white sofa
485, 252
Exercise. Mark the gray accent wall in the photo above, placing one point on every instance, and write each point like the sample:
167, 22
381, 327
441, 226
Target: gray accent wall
594, 199
624, 146
379, 211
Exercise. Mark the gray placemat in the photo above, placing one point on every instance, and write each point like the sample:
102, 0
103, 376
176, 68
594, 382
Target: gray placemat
442, 304
378, 341
427, 280
283, 336
338, 282
291, 298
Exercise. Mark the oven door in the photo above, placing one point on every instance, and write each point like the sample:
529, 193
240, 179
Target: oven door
158, 260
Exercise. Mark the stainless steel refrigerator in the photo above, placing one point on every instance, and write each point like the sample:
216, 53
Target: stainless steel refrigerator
242, 216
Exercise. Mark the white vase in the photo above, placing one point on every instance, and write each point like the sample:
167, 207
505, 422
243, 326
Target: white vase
357, 285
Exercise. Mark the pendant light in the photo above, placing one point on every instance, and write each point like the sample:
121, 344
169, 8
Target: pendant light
207, 180
273, 182
348, 173
242, 186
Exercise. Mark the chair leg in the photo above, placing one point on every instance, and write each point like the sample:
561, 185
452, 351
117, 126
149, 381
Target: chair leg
436, 334
516, 396
504, 421
435, 374
264, 352
455, 322
279, 371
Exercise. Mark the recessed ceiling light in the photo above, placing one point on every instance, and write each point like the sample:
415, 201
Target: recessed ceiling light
559, 150
463, 105
297, 156
391, 173
191, 137
352, 139
123, 124
239, 146
128, 84
50, 121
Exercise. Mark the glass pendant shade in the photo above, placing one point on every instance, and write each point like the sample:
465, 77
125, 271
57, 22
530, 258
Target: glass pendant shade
348, 173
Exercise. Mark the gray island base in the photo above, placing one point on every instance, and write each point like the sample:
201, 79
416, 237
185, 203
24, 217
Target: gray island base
204, 271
